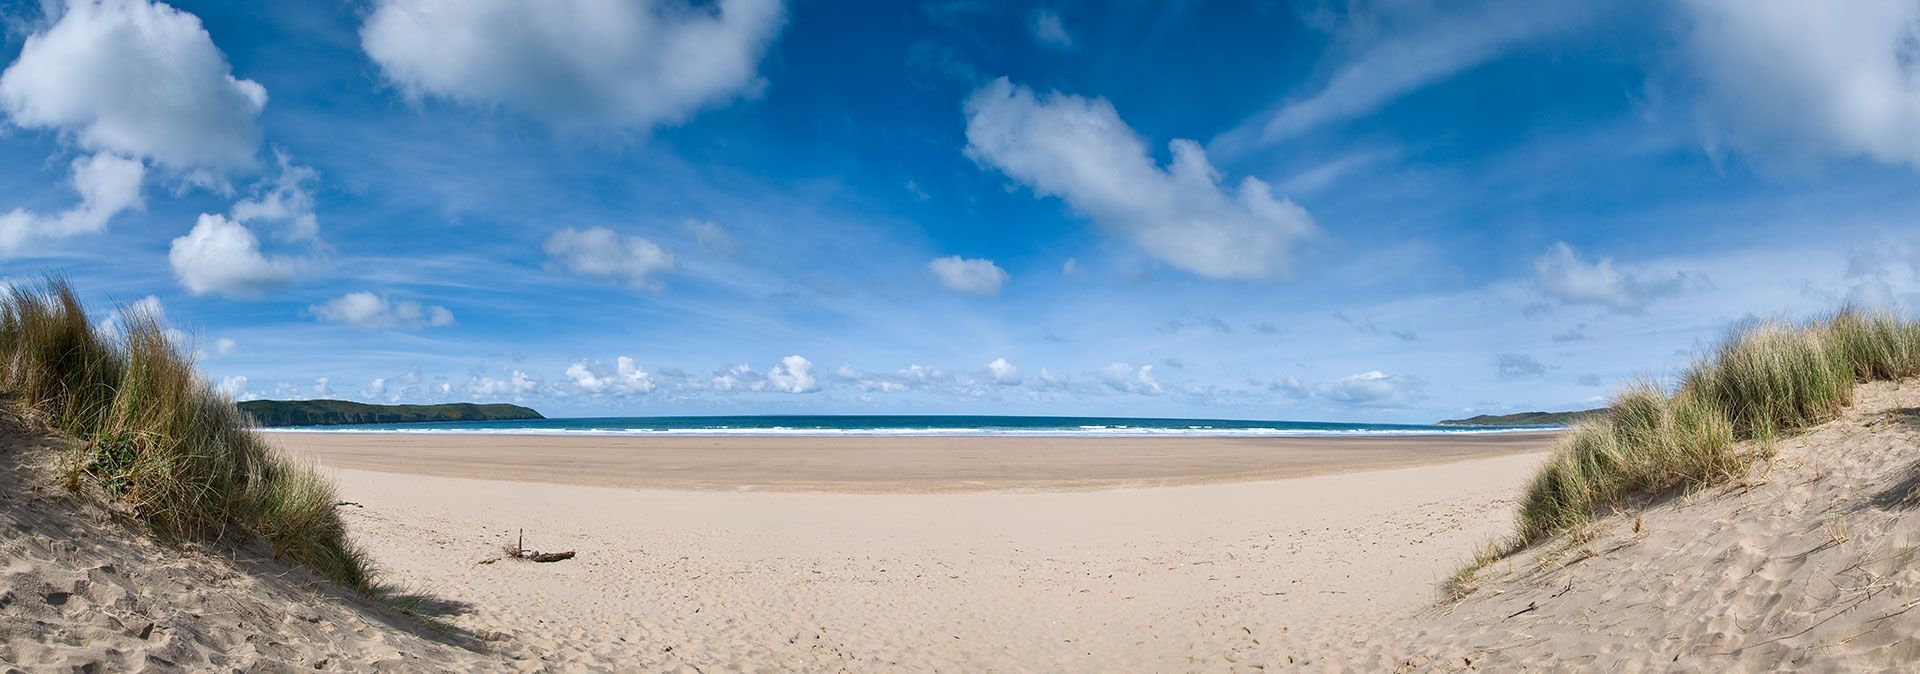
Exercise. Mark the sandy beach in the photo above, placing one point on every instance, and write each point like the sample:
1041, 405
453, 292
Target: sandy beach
890, 464
1176, 578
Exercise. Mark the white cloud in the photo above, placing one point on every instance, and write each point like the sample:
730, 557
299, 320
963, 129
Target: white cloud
968, 275
1561, 275
576, 64
1003, 372
135, 78
1125, 379
600, 254
323, 386
1080, 150
479, 386
710, 236
1808, 79
146, 308
1374, 389
375, 388
367, 310
225, 346
233, 387
221, 256
626, 378
1416, 47
1049, 31
286, 199
107, 184
794, 374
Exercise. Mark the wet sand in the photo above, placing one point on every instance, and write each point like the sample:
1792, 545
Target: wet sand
891, 464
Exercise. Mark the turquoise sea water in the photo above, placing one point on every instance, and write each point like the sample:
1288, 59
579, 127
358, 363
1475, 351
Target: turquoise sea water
906, 425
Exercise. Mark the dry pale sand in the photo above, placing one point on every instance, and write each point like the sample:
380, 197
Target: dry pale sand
82, 589
890, 464
1810, 564
1162, 579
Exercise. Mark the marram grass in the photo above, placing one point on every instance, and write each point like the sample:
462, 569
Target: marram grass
1765, 380
154, 436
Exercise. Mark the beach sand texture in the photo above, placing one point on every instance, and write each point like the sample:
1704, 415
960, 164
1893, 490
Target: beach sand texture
1809, 564
1165, 579
890, 464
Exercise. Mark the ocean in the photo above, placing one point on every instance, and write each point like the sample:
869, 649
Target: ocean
908, 425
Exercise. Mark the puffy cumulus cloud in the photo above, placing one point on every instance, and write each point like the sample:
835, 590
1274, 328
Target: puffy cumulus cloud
1125, 378
1808, 79
223, 257
1561, 275
794, 374
368, 310
108, 185
1049, 30
598, 253
968, 275
1513, 365
625, 378
1003, 372
375, 388
1078, 149
323, 386
135, 78
576, 64
1373, 389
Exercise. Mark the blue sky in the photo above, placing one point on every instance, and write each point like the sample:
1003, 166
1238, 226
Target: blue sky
1394, 210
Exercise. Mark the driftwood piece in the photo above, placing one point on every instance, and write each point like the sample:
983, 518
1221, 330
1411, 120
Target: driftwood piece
519, 551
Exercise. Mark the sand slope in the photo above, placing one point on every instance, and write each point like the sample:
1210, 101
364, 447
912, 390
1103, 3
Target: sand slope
1811, 564
82, 591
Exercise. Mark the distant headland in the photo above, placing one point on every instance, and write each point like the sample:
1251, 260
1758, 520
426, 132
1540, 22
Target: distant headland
274, 413
1525, 419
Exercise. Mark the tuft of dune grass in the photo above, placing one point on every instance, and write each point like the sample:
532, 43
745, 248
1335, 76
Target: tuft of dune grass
155, 437
1763, 381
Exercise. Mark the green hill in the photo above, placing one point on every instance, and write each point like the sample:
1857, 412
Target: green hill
1525, 419
274, 413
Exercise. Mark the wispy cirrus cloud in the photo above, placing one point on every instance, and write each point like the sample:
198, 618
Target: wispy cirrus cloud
1402, 48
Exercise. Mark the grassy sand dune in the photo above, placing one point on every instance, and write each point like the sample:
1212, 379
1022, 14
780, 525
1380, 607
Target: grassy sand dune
1765, 381
154, 437
1807, 561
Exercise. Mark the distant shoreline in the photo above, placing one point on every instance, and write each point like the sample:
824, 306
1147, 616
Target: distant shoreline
909, 433
906, 426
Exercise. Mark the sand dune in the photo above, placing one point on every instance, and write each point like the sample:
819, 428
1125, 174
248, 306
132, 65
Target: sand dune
1812, 563
82, 590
